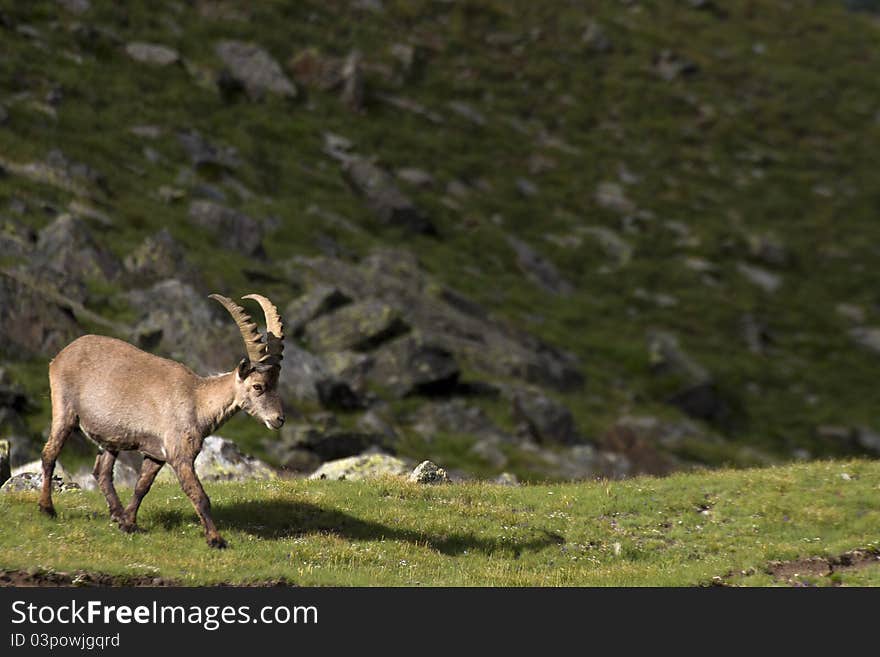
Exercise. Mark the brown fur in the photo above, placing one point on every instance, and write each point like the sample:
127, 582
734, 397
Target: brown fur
126, 399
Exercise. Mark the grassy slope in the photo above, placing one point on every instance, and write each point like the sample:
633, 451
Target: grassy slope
776, 134
680, 530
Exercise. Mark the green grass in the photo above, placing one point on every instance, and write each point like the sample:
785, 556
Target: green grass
682, 530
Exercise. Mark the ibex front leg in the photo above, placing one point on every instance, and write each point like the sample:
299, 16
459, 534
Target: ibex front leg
186, 474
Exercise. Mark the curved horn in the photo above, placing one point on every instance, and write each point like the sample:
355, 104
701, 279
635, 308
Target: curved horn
274, 326
252, 342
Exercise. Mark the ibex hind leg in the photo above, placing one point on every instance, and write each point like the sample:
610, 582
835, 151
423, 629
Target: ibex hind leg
63, 423
103, 472
149, 469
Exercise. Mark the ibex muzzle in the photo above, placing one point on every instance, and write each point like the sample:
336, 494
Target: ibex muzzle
126, 399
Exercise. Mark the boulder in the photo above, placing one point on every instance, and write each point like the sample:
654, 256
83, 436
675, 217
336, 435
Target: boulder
427, 472
160, 257
413, 365
222, 460
867, 337
255, 69
454, 416
445, 318
368, 466
29, 324
383, 197
326, 443
760, 277
352, 94
542, 419
311, 68
179, 323
124, 476
360, 326
206, 155
67, 246
233, 230
152, 53
319, 300
33, 482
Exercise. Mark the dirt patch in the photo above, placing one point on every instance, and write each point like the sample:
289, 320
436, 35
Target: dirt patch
83, 578
794, 571
78, 578
798, 572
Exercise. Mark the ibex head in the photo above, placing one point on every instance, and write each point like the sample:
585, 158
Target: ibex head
256, 377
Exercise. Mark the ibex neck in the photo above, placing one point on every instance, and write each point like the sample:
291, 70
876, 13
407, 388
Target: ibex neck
216, 401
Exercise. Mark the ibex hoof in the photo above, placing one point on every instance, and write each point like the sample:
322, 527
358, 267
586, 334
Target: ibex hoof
48, 510
216, 542
130, 528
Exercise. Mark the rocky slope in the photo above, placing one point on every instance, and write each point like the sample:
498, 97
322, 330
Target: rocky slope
557, 239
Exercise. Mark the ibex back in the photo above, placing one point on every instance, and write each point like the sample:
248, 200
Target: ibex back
126, 399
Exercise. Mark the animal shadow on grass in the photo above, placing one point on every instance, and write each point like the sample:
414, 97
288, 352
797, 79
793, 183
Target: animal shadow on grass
277, 519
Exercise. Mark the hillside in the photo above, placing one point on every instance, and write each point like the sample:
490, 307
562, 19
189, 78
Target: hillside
809, 524
560, 239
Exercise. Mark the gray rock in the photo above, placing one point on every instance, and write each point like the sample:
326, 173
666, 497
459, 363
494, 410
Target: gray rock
369, 466
77, 7
67, 246
489, 451
755, 333
5, 469
446, 318
160, 257
866, 438
222, 460
526, 187
595, 38
667, 356
766, 280
467, 112
180, 323
670, 65
255, 69
610, 195
360, 326
318, 301
29, 325
413, 365
416, 177
234, 230
384, 198
506, 479
698, 396
613, 245
33, 482
768, 249
152, 53
373, 422
539, 270
427, 472
124, 476
206, 155
327, 444
867, 337
542, 419
850, 311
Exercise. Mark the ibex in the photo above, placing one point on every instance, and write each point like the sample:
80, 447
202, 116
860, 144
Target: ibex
126, 399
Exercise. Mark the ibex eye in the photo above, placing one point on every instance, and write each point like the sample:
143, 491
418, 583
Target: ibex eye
258, 387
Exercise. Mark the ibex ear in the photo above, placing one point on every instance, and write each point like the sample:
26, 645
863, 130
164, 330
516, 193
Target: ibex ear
244, 369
